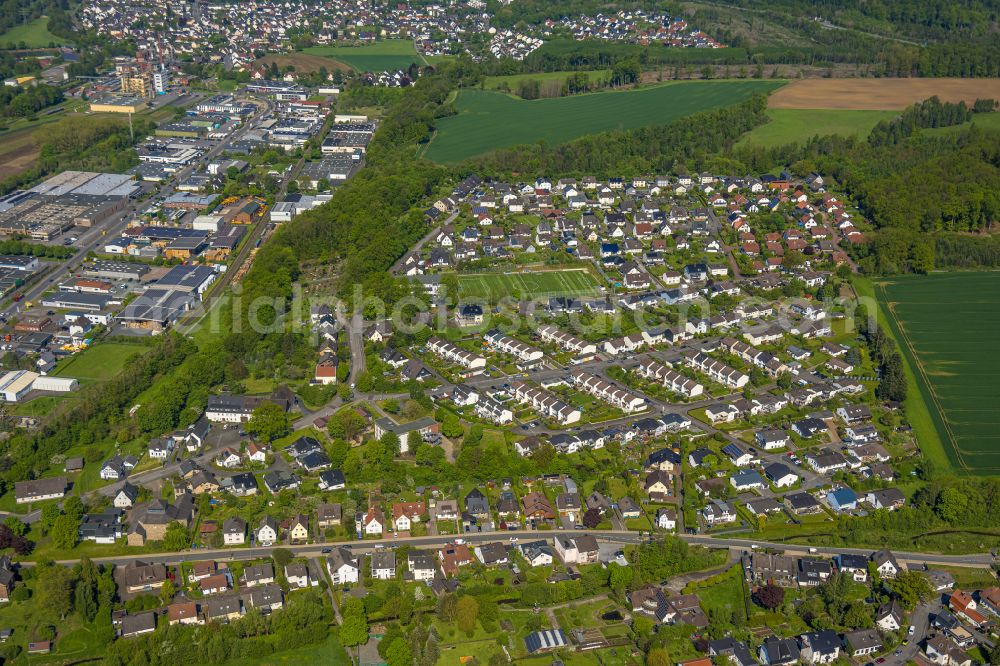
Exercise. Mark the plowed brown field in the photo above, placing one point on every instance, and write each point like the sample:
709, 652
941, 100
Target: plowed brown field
889, 94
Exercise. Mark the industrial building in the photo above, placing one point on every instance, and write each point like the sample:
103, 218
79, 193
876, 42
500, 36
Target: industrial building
279, 90
116, 270
75, 300
224, 104
118, 104
187, 279
70, 198
16, 384
155, 309
335, 168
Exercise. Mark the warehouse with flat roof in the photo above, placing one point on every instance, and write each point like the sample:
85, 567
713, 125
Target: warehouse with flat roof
16, 384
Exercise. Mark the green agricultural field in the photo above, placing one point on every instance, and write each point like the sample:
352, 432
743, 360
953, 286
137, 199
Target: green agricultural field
102, 361
946, 325
799, 125
487, 120
389, 54
541, 284
34, 34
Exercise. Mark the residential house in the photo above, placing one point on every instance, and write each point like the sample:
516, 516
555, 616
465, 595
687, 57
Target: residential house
297, 574
383, 564
863, 642
267, 532
234, 531
343, 567
537, 553
819, 647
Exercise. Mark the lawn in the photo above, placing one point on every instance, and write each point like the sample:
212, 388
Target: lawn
488, 120
329, 652
987, 121
100, 362
723, 593
390, 54
539, 284
800, 125
40, 406
34, 34
946, 325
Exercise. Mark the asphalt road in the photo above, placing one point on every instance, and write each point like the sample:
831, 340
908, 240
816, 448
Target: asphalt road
615, 536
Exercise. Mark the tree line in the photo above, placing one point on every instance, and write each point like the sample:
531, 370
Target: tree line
693, 141
17, 102
303, 621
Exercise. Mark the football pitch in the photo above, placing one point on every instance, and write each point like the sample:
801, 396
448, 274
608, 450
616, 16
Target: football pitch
528, 285
947, 328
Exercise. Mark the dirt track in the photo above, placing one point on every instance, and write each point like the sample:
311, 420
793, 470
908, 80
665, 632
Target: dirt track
888, 94
21, 155
304, 62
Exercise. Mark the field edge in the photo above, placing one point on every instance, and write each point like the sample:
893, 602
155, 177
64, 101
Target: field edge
924, 419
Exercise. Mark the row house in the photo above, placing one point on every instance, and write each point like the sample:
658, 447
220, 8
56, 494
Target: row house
508, 345
553, 334
717, 370
669, 378
454, 354
545, 403
766, 361
609, 392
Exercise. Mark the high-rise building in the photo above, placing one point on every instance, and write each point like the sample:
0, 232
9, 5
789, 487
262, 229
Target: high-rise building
137, 84
161, 79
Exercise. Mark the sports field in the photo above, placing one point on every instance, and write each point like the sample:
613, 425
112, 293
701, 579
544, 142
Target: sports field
947, 325
487, 120
889, 94
389, 54
529, 285
102, 361
799, 125
34, 34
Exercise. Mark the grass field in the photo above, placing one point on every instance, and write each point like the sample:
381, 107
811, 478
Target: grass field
894, 94
34, 34
385, 55
329, 652
545, 79
541, 284
946, 324
987, 121
102, 361
39, 406
487, 120
799, 125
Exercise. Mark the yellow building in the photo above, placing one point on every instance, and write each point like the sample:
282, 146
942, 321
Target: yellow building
138, 85
118, 105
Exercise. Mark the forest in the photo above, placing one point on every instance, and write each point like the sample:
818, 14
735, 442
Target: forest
17, 102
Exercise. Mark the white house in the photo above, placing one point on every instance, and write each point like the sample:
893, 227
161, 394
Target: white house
343, 567
666, 518
234, 531
267, 533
